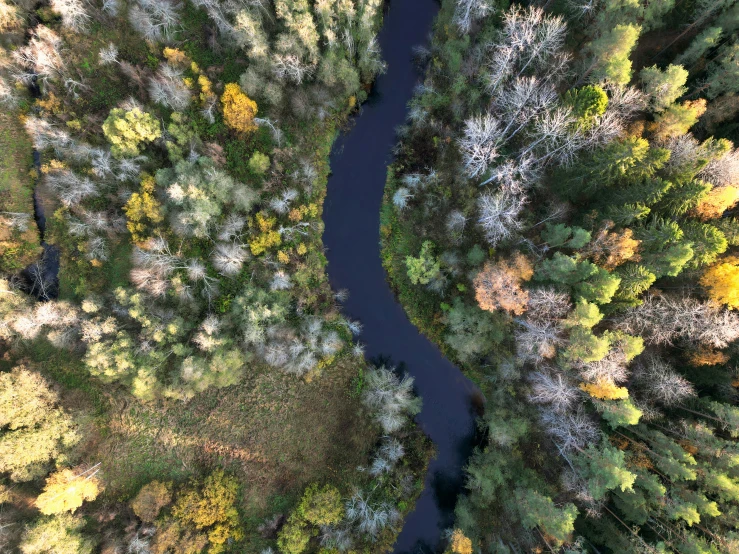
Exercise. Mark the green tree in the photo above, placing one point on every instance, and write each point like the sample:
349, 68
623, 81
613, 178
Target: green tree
604, 469
294, 536
128, 130
60, 534
321, 505
611, 53
540, 511
723, 72
259, 163
473, 332
663, 86
425, 267
700, 45
587, 103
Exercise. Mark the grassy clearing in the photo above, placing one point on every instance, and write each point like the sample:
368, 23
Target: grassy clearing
17, 248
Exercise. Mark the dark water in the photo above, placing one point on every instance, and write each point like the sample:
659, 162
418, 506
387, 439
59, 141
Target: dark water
352, 216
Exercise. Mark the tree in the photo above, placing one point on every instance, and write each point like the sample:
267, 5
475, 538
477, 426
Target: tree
239, 110
390, 397
663, 86
425, 267
537, 510
66, 490
33, 429
604, 389
73, 13
150, 499
467, 12
716, 202
611, 54
294, 536
499, 214
259, 163
722, 282
479, 145
472, 332
677, 119
210, 508
498, 285
604, 469
587, 103
699, 46
321, 505
459, 543
723, 73
127, 130
143, 211
59, 534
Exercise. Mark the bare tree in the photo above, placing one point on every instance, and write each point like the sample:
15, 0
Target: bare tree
661, 383
74, 15
553, 389
499, 215
479, 145
466, 12
155, 19
168, 88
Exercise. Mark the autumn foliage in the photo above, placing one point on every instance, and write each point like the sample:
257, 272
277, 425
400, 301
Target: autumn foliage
238, 109
498, 285
459, 543
66, 490
605, 389
722, 282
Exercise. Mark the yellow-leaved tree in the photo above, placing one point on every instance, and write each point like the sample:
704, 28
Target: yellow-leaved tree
722, 283
66, 490
238, 109
143, 211
605, 389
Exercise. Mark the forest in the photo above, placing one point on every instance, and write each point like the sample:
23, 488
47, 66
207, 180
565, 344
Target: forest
560, 218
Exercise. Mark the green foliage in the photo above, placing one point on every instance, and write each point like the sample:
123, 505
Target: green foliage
611, 52
618, 413
584, 314
587, 103
259, 163
127, 130
604, 469
425, 267
664, 86
538, 510
476, 255
473, 332
294, 536
559, 235
321, 505
585, 346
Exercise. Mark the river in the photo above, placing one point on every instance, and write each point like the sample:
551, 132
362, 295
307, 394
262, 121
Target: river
351, 214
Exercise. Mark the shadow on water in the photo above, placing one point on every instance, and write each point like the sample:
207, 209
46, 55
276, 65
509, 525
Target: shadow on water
352, 221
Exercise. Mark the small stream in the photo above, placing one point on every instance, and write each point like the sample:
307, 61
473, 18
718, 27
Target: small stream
351, 214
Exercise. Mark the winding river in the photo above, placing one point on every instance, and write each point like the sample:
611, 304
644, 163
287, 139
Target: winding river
359, 163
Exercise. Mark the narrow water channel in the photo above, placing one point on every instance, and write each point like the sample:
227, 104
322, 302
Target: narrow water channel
352, 216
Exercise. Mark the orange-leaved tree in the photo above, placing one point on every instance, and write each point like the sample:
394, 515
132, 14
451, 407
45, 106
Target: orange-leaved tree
498, 285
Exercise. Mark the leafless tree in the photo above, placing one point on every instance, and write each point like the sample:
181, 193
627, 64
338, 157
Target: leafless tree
156, 20
168, 89
229, 258
41, 57
547, 304
659, 381
74, 15
479, 146
466, 12
108, 54
663, 319
552, 389
570, 430
291, 67
499, 215
722, 171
